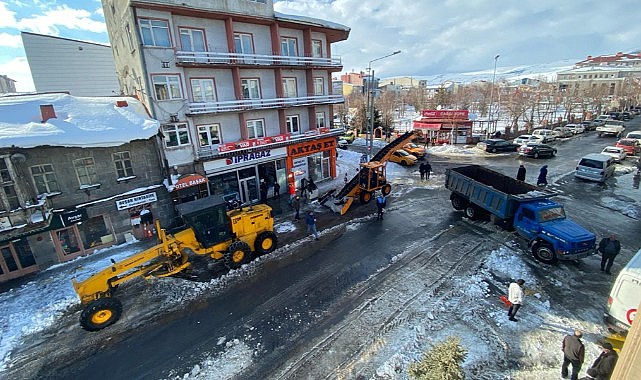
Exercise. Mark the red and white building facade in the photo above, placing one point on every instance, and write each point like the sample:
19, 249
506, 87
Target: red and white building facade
236, 86
445, 126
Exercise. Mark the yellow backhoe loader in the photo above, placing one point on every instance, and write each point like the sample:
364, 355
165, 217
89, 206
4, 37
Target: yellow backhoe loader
211, 229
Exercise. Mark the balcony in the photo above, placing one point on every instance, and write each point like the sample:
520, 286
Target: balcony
29, 217
206, 58
252, 104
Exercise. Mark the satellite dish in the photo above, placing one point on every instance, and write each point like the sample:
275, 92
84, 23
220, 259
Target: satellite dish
18, 157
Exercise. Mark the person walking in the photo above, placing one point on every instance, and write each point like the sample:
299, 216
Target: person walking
603, 365
421, 169
310, 219
276, 189
609, 248
291, 188
573, 353
515, 296
428, 169
263, 190
520, 175
296, 205
381, 203
543, 176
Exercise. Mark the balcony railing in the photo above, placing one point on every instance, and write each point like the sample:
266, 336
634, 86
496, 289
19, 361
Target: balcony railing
248, 104
215, 58
27, 217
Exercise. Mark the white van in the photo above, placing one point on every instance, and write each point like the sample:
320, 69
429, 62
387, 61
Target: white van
625, 297
547, 134
595, 167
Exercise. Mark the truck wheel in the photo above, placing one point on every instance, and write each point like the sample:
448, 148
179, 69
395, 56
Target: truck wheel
544, 252
237, 254
536, 155
100, 313
458, 202
472, 212
386, 189
365, 197
265, 242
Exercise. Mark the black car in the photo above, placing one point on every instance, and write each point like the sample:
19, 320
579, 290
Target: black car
497, 145
537, 150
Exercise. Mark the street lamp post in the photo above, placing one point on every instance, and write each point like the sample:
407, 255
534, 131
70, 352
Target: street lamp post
370, 101
489, 112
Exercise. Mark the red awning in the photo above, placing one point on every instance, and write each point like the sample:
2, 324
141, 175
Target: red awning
428, 126
189, 181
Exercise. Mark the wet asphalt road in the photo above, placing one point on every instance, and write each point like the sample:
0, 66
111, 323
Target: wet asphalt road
285, 303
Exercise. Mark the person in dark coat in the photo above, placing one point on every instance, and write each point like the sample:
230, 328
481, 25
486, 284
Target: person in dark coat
276, 189
296, 205
609, 248
603, 365
310, 220
428, 169
574, 353
543, 176
520, 175
421, 169
381, 203
263, 190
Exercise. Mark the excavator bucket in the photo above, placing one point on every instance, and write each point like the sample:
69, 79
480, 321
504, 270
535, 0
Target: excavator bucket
348, 203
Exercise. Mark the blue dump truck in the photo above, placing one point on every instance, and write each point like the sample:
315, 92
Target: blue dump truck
513, 204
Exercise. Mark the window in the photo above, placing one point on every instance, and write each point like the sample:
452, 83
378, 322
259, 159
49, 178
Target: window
320, 119
175, 135
86, 171
251, 88
288, 46
5, 174
122, 160
44, 178
167, 87
209, 134
317, 48
203, 90
192, 39
289, 87
293, 126
130, 38
243, 43
155, 32
319, 86
255, 129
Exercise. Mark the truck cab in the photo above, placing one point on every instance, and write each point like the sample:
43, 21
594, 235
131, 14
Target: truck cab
552, 236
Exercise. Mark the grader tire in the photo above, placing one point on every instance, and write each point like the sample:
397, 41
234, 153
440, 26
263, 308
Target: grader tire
365, 197
386, 189
100, 313
237, 254
265, 243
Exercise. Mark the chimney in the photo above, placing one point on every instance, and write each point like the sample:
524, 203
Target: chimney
47, 112
121, 103
589, 57
620, 54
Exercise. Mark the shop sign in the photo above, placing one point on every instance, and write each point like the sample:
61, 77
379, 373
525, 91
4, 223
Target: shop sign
250, 143
189, 181
429, 126
248, 157
299, 169
311, 147
73, 217
240, 160
445, 114
124, 204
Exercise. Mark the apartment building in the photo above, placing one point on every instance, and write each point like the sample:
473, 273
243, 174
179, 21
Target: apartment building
75, 174
607, 74
243, 93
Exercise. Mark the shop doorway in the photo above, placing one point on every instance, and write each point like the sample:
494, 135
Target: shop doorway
248, 185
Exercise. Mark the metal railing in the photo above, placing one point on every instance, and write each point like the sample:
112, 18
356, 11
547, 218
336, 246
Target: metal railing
248, 104
216, 58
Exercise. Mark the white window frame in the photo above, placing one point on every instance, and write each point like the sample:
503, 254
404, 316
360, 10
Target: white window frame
317, 48
320, 119
171, 85
189, 33
203, 90
293, 124
287, 44
124, 159
176, 135
153, 26
209, 135
319, 86
86, 168
244, 43
250, 88
255, 128
48, 178
289, 88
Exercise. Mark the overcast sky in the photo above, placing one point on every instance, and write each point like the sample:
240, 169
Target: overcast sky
435, 37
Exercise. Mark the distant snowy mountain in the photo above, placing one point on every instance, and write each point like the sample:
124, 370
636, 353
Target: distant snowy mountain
545, 71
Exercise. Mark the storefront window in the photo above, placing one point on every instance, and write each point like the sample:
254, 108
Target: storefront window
225, 185
94, 232
68, 241
319, 166
23, 251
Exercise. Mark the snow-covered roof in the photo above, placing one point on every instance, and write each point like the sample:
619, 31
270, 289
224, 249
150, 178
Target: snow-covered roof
310, 21
79, 122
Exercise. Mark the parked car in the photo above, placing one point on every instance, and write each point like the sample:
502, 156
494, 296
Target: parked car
403, 158
589, 125
537, 150
348, 136
415, 150
615, 152
547, 134
634, 135
562, 132
575, 128
524, 139
632, 147
598, 123
497, 145
342, 144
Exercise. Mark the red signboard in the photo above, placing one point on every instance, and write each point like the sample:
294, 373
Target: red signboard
189, 181
428, 126
445, 114
250, 143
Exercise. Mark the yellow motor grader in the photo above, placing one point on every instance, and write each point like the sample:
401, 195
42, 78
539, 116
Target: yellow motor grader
211, 229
